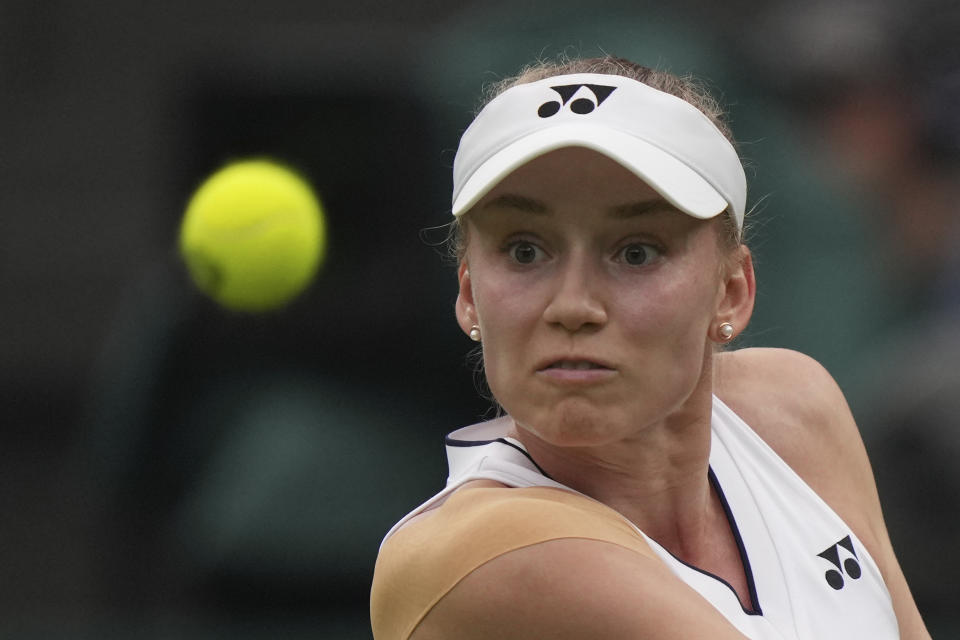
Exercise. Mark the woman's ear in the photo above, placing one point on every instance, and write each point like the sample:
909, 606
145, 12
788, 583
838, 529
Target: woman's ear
465, 309
736, 296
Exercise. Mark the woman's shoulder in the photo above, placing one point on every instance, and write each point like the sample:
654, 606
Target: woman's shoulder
484, 519
480, 506
781, 374
792, 402
573, 588
787, 397
477, 524
529, 562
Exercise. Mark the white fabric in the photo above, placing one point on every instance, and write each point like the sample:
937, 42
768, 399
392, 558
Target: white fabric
664, 140
784, 527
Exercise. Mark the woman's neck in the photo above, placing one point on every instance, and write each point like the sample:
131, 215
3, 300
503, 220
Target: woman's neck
657, 477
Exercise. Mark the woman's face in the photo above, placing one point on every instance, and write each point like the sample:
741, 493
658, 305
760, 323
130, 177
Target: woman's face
595, 298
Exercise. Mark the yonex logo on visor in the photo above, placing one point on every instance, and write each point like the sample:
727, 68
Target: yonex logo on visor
665, 141
582, 105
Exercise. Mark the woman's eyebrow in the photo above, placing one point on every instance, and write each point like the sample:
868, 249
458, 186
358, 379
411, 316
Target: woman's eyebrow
530, 205
633, 209
520, 203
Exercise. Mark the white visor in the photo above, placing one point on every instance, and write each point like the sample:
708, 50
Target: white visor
665, 141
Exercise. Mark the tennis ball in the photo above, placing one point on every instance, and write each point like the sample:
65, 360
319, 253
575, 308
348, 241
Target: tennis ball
253, 235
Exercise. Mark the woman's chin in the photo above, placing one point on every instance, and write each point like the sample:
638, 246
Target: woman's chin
572, 427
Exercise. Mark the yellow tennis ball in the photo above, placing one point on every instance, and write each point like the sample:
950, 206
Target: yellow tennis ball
253, 235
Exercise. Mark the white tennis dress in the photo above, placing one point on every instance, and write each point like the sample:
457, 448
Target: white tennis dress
809, 576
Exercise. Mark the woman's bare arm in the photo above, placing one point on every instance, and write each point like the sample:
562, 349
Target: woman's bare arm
572, 589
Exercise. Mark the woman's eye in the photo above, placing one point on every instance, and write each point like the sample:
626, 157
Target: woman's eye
638, 254
524, 252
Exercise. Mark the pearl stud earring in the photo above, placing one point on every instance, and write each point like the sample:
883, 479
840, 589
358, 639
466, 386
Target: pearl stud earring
475, 333
726, 331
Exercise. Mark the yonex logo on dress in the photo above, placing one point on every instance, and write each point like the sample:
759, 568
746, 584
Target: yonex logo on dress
582, 105
850, 566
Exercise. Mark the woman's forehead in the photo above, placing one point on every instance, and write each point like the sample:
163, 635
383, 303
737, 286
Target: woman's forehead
523, 206
509, 212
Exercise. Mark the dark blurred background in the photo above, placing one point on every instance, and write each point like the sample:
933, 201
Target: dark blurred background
172, 470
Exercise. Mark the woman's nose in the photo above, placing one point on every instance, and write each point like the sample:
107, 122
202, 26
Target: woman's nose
576, 302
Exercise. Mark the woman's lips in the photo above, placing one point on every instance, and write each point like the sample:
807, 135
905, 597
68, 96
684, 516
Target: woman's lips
576, 371
576, 365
